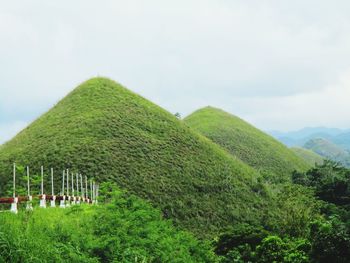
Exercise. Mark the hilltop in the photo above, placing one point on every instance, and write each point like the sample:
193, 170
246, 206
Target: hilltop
249, 144
329, 150
103, 129
308, 156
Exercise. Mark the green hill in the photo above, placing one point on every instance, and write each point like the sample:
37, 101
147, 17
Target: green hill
249, 144
328, 150
308, 156
104, 130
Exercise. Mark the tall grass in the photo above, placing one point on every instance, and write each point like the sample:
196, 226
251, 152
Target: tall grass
126, 229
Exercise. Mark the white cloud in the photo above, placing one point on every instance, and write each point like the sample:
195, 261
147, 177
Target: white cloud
329, 106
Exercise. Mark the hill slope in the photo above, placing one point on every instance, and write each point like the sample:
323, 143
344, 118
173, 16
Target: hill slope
249, 144
308, 156
103, 129
329, 150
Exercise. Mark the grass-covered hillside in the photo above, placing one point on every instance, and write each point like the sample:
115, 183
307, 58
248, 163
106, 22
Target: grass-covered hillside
329, 150
308, 156
254, 147
104, 130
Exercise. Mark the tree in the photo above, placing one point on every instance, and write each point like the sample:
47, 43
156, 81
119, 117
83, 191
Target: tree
330, 241
177, 115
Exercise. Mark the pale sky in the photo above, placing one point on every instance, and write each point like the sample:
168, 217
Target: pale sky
281, 65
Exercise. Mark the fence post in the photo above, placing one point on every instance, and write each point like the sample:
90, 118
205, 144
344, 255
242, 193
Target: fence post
43, 196
62, 202
86, 190
82, 188
77, 185
30, 198
15, 199
53, 200
73, 194
68, 196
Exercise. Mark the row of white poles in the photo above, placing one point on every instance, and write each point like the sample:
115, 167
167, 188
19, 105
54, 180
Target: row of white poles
81, 194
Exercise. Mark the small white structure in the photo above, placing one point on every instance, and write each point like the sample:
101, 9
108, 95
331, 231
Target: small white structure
43, 196
43, 201
53, 200
63, 202
14, 205
15, 199
29, 205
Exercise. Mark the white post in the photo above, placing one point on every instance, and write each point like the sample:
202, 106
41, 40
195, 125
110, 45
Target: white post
29, 202
14, 180
62, 202
43, 196
81, 188
68, 196
72, 185
15, 199
96, 195
28, 183
91, 196
94, 192
42, 180
53, 200
77, 185
86, 189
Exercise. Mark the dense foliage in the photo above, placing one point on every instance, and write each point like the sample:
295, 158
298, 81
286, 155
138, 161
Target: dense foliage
270, 157
330, 181
103, 130
126, 229
299, 235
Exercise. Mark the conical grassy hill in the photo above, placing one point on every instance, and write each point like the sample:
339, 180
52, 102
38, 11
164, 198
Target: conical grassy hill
308, 156
104, 130
259, 150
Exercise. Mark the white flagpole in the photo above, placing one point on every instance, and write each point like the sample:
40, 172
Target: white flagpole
67, 175
76, 177
29, 204
14, 180
72, 181
62, 202
52, 190
42, 180
53, 200
28, 181
86, 188
15, 199
43, 196
63, 174
81, 187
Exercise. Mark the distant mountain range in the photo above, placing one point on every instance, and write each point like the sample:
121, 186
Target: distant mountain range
331, 143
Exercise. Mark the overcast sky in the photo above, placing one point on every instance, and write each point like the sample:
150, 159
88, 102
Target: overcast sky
280, 65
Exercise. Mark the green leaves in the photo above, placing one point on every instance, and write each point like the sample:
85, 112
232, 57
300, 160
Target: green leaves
126, 229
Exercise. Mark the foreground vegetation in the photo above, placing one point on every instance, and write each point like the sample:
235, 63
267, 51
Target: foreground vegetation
323, 237
125, 229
